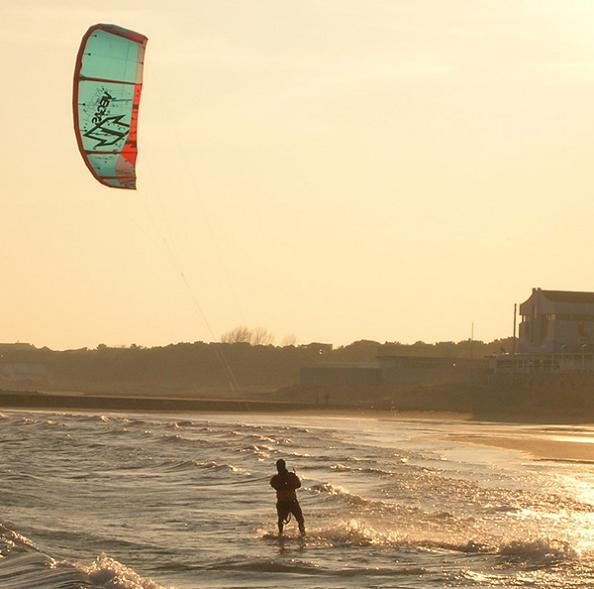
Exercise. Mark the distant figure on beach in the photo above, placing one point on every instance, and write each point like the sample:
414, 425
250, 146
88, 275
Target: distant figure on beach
285, 484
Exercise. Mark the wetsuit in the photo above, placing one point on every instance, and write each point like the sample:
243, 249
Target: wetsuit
285, 484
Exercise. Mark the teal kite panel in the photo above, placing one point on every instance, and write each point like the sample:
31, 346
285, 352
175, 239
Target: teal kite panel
106, 101
110, 57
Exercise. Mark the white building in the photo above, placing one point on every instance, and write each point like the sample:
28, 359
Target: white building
557, 322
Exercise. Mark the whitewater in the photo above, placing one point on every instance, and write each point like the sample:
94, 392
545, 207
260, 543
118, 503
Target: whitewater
144, 501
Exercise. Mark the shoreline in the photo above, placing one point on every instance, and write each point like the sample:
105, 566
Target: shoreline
37, 400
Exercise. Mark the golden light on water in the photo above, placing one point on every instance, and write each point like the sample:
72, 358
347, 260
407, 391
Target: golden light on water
579, 525
584, 532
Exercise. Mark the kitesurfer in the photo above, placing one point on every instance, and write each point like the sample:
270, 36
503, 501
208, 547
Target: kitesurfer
285, 484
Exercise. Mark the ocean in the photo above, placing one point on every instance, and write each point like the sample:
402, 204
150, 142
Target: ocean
144, 501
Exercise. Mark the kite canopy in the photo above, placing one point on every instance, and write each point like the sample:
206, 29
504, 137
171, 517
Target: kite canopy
107, 87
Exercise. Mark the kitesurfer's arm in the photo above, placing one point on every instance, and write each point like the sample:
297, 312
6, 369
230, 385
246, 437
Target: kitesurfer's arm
296, 483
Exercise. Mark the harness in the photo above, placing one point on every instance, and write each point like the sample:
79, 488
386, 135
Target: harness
288, 518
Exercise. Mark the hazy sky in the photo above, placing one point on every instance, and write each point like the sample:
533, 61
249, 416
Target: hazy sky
333, 169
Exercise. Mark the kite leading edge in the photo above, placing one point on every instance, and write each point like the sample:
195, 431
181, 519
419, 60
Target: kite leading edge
106, 98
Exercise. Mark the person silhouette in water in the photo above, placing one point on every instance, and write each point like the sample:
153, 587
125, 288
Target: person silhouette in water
285, 484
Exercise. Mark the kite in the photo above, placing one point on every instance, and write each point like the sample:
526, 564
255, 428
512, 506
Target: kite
106, 98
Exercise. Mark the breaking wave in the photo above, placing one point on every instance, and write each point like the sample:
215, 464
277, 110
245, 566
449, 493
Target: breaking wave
538, 550
23, 566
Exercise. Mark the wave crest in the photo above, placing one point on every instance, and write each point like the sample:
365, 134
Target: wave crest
111, 574
9, 539
542, 550
212, 465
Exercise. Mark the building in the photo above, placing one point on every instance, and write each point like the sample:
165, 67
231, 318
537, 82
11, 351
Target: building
317, 347
341, 375
22, 370
557, 322
414, 371
556, 337
396, 372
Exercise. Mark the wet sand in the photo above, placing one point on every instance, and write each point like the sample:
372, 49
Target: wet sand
544, 447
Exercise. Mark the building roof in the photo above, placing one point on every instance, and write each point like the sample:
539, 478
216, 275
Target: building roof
568, 296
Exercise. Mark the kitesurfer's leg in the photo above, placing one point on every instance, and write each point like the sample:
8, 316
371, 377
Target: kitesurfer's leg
296, 511
282, 513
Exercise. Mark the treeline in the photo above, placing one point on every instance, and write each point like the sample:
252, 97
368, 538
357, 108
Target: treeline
199, 368
187, 368
368, 350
